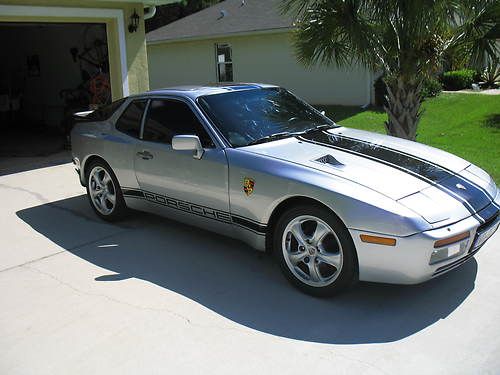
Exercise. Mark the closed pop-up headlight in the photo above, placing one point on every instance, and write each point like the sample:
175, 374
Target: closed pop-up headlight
449, 247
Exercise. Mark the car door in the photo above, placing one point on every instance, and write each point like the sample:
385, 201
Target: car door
179, 185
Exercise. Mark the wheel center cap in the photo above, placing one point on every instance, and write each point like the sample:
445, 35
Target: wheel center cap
312, 251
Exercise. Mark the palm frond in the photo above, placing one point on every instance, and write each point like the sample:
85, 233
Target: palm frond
334, 32
478, 31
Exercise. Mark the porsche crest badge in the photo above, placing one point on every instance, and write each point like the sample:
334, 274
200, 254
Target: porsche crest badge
248, 184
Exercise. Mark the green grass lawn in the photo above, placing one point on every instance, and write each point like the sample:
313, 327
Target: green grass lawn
467, 125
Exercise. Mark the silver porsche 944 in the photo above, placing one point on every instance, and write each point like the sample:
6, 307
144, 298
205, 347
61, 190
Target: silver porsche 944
254, 162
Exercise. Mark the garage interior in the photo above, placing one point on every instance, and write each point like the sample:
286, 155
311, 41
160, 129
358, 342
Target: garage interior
48, 71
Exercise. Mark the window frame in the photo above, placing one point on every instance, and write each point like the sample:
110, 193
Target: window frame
215, 141
217, 63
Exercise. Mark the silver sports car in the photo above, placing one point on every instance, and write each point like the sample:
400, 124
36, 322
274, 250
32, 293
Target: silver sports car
254, 162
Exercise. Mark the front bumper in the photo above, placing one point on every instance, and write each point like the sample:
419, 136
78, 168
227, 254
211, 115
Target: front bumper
408, 261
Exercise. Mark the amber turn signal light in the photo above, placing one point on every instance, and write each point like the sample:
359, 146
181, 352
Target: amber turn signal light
378, 240
453, 239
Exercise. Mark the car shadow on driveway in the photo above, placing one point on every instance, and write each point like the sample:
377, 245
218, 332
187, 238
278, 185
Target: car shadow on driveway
242, 284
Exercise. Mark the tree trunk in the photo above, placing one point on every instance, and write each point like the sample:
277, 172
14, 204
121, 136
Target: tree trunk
403, 108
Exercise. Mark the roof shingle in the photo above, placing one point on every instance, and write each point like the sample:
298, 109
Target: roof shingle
227, 17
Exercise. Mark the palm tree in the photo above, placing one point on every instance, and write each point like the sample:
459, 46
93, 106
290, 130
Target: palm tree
404, 39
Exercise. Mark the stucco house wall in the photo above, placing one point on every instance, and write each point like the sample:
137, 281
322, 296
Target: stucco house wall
258, 57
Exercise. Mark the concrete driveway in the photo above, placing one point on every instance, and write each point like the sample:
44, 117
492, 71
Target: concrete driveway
150, 296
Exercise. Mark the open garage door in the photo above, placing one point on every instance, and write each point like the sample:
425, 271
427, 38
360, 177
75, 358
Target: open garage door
47, 72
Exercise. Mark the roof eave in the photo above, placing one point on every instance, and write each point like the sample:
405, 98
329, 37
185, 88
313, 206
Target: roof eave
221, 35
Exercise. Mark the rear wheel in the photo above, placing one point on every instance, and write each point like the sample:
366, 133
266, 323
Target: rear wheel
104, 193
315, 250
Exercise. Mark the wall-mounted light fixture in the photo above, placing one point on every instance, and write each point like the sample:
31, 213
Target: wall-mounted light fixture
134, 22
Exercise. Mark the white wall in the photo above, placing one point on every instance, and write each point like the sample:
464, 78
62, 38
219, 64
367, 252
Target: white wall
266, 58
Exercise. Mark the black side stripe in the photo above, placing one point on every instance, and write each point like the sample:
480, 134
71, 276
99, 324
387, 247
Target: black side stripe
195, 209
247, 223
132, 193
472, 198
250, 229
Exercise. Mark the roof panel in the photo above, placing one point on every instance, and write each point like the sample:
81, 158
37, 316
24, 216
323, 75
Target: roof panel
209, 89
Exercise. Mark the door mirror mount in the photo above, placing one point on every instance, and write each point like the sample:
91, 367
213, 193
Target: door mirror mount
188, 143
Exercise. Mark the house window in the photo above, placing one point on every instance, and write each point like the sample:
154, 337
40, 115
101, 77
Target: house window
224, 62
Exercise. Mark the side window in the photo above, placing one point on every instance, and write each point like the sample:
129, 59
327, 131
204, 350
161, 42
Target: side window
130, 120
167, 118
103, 113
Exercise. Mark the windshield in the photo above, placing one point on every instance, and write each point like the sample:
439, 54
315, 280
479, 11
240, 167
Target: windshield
247, 117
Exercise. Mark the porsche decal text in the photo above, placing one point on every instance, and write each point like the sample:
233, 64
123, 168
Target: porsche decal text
195, 209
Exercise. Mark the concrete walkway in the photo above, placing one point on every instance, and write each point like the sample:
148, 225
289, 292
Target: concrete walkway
149, 296
469, 91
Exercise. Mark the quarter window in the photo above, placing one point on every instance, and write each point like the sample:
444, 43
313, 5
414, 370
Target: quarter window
130, 120
224, 63
166, 118
104, 113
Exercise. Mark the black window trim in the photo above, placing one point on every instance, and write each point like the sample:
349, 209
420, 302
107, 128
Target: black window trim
193, 108
143, 120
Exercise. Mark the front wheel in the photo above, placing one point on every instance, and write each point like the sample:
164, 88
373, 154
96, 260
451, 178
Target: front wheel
315, 250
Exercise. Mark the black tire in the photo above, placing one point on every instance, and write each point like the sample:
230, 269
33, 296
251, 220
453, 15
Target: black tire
348, 275
120, 208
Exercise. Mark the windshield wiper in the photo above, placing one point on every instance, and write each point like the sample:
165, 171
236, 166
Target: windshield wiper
271, 137
281, 135
319, 127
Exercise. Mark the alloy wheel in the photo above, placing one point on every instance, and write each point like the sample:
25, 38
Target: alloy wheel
312, 251
102, 190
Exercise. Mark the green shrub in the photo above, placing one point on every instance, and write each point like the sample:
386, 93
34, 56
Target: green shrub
458, 79
431, 87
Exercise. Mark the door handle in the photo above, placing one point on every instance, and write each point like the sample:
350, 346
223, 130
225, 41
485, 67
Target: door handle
145, 155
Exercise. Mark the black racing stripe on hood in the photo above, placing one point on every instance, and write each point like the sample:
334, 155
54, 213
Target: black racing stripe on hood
439, 166
425, 170
489, 214
471, 197
461, 187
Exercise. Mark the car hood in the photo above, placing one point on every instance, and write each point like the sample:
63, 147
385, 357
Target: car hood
424, 179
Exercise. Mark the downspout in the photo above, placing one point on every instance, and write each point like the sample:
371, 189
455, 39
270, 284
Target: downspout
150, 12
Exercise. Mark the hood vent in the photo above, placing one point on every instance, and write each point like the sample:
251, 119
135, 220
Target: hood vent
330, 160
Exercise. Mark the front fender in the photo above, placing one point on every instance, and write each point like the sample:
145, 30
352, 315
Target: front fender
276, 181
